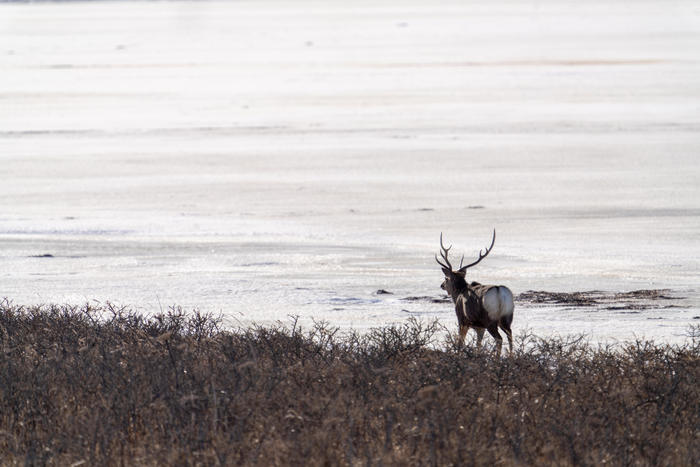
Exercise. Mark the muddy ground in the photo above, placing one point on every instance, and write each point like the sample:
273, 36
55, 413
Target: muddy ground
633, 301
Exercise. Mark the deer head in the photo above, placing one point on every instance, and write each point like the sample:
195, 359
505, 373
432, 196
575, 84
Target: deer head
455, 282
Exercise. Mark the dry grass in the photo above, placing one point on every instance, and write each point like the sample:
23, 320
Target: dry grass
105, 386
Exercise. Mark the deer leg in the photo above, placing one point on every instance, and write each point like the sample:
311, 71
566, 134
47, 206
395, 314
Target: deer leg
493, 330
479, 336
462, 334
505, 325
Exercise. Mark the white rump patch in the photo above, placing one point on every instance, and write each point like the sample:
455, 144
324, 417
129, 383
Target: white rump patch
498, 302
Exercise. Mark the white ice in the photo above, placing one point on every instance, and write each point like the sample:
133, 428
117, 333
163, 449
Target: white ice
262, 159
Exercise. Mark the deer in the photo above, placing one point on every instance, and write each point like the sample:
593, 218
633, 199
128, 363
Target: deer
478, 306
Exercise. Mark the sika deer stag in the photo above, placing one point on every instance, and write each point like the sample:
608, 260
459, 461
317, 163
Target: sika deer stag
478, 306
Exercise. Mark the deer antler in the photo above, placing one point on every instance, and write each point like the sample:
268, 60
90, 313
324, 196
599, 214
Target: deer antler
443, 253
481, 256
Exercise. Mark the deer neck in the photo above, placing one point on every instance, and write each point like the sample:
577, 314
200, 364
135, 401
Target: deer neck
459, 290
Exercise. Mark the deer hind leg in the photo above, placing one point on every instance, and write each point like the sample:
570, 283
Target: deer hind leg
462, 334
505, 325
479, 336
493, 330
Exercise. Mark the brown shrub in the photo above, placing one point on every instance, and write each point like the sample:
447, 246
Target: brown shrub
107, 386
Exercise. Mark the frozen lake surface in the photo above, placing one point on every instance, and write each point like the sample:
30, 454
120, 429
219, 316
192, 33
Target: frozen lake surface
265, 159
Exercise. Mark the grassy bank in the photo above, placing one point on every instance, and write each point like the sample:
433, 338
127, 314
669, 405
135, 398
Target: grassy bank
107, 386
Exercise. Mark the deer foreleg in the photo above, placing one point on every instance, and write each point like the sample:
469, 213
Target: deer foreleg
479, 336
462, 334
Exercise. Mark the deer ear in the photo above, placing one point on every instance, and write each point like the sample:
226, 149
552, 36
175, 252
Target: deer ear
447, 272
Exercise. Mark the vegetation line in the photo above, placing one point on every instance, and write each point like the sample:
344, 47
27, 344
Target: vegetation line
107, 386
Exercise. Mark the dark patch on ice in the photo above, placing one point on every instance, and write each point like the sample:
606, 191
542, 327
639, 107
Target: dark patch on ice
560, 298
476, 206
634, 301
635, 306
49, 255
351, 301
650, 294
425, 209
426, 298
264, 263
696, 317
421, 312
383, 292
641, 306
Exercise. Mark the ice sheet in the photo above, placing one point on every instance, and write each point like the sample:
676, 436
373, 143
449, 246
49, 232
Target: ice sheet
267, 159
